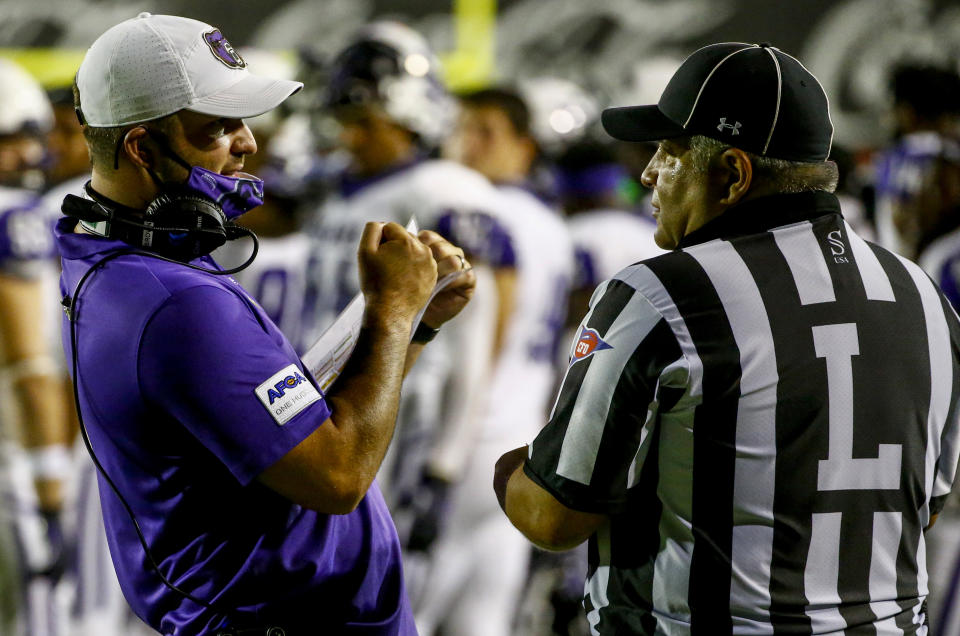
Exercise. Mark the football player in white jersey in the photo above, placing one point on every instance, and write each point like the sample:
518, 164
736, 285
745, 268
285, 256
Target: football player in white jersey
607, 234
33, 455
277, 278
387, 95
479, 564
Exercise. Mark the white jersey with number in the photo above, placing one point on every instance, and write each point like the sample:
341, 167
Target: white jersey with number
30, 606
480, 563
26, 234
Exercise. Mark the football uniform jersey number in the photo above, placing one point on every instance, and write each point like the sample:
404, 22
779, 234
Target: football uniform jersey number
30, 235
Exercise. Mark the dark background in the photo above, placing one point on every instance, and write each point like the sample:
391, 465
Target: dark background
621, 51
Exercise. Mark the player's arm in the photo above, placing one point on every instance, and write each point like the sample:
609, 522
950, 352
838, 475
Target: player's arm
506, 281
536, 513
471, 336
332, 469
28, 368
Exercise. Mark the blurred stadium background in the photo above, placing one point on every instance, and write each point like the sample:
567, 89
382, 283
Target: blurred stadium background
618, 52
621, 50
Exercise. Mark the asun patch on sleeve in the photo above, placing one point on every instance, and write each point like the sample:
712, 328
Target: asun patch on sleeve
286, 393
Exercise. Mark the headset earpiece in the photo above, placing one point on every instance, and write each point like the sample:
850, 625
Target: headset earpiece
177, 225
200, 221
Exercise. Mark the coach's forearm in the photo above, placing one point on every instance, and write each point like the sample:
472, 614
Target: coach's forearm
366, 396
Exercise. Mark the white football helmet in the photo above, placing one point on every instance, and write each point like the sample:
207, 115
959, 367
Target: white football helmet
560, 111
390, 64
25, 117
24, 106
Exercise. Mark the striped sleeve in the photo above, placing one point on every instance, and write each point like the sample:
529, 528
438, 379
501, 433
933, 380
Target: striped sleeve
600, 431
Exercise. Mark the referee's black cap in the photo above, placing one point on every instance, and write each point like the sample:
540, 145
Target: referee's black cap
752, 96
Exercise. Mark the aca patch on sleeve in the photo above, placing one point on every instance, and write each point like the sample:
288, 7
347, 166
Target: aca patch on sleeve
286, 393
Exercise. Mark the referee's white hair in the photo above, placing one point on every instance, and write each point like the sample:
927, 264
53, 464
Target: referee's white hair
778, 174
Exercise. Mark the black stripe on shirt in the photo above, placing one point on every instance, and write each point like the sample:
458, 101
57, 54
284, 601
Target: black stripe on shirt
714, 439
634, 544
626, 415
542, 467
908, 342
794, 476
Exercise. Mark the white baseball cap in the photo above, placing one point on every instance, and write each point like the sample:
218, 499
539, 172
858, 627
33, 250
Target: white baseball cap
155, 65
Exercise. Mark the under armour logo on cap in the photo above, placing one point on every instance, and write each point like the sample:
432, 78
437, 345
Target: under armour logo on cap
734, 127
784, 107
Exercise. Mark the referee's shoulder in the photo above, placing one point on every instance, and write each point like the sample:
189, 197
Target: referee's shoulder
638, 274
648, 279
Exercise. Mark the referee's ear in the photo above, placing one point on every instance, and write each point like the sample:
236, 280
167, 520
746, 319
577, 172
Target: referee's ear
739, 175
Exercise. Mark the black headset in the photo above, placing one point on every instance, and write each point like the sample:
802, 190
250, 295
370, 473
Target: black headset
176, 227
177, 224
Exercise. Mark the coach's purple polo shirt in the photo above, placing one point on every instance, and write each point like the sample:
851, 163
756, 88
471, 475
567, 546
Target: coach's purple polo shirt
189, 392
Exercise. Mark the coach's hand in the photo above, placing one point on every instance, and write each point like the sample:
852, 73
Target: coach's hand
455, 297
397, 274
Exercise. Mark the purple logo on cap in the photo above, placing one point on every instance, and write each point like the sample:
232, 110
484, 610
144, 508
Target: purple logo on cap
223, 50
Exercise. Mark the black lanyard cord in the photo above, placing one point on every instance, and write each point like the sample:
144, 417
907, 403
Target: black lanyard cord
72, 308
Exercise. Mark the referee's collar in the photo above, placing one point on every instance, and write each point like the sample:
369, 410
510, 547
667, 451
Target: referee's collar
762, 214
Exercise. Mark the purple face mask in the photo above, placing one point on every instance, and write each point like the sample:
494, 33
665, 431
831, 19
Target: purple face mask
234, 195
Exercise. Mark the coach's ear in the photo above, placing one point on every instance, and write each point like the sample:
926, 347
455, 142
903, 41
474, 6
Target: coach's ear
739, 175
135, 149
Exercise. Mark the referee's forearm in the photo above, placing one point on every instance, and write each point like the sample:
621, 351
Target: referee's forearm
508, 464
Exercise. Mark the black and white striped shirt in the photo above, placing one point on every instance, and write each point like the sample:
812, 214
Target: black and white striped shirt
769, 416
